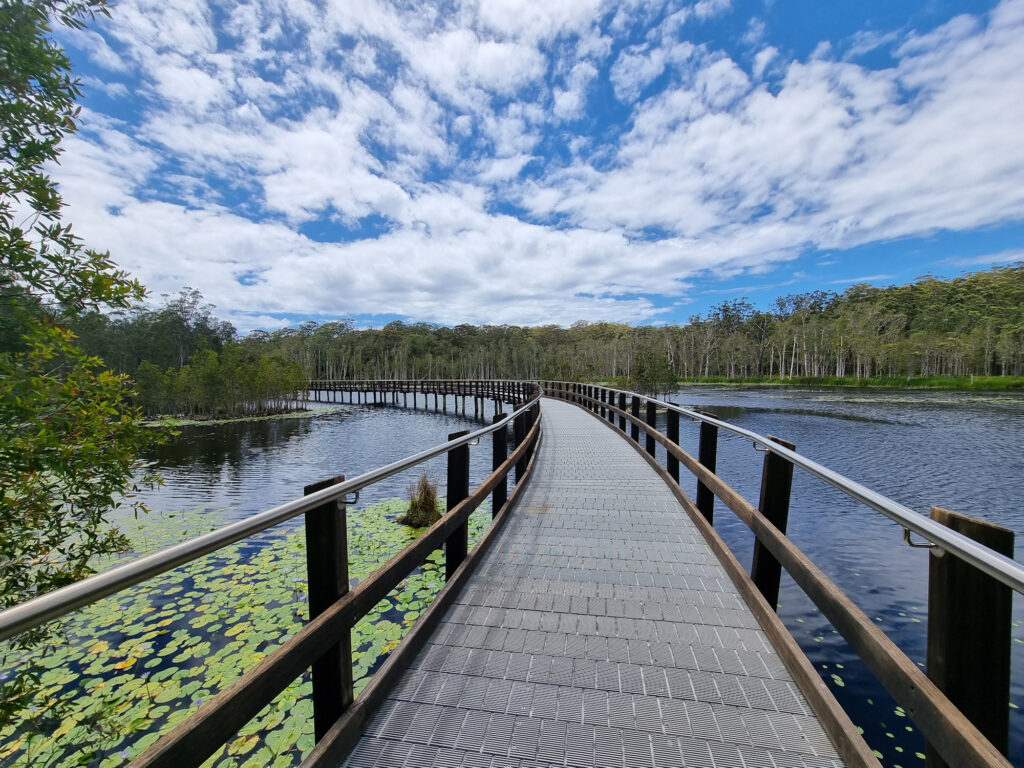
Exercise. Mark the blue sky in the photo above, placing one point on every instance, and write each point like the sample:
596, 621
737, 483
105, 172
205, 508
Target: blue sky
503, 161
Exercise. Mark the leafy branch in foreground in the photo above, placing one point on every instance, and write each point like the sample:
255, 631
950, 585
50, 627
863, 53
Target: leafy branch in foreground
68, 436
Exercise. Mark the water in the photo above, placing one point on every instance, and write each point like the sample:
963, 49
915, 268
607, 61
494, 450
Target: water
960, 451
243, 468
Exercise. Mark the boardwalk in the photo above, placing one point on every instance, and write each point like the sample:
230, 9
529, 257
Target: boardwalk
598, 631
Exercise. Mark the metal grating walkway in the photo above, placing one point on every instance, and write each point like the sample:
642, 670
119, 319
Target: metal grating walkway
599, 630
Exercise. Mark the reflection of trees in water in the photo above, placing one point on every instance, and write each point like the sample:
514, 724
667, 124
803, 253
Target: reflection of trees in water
216, 445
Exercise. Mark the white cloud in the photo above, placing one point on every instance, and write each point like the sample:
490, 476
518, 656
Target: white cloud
706, 9
439, 124
763, 58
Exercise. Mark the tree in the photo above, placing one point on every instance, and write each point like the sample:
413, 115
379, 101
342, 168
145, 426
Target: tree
68, 438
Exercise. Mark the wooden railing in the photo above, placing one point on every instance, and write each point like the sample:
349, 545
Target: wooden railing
324, 643
387, 392
969, 610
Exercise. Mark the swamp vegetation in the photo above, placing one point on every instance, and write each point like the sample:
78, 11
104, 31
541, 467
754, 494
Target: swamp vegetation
134, 665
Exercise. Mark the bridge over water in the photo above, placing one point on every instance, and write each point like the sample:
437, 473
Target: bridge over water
600, 620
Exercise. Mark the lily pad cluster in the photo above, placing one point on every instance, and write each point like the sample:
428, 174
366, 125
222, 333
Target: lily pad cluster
136, 664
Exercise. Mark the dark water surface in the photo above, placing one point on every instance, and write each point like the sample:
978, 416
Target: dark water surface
960, 451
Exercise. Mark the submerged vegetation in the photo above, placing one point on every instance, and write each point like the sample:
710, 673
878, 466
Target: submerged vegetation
137, 663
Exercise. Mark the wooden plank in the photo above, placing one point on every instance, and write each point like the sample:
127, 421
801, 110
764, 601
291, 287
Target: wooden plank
651, 421
327, 575
707, 453
776, 485
672, 434
457, 489
969, 625
499, 452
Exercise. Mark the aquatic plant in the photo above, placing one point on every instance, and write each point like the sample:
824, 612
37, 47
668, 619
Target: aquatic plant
423, 509
136, 664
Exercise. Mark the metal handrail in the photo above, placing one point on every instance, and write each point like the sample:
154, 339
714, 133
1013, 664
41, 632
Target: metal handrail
998, 566
39, 610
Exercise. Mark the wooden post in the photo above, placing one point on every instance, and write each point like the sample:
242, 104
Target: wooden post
707, 454
776, 484
327, 573
499, 453
969, 632
518, 435
622, 407
652, 421
634, 430
672, 433
457, 544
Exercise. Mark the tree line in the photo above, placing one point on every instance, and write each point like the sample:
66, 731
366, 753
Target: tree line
186, 362
972, 324
184, 359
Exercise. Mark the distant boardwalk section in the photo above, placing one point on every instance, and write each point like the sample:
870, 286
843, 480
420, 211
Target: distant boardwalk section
599, 630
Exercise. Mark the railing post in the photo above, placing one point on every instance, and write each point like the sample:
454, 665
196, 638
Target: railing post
652, 421
672, 433
327, 574
634, 430
969, 625
534, 415
518, 435
622, 418
707, 454
776, 484
499, 452
609, 398
457, 543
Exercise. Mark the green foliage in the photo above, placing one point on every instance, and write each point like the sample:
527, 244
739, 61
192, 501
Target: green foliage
136, 664
423, 509
969, 325
186, 363
68, 435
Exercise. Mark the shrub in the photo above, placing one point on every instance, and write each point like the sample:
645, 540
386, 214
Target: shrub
423, 509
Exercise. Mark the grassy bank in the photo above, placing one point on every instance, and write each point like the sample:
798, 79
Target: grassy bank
986, 383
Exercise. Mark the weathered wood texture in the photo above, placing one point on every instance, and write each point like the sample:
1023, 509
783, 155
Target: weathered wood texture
327, 575
776, 485
969, 624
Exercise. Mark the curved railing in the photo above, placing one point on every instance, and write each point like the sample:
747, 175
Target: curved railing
334, 609
957, 593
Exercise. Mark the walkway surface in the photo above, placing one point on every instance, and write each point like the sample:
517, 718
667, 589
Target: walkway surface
599, 630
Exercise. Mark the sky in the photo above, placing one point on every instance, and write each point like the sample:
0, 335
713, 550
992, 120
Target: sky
514, 162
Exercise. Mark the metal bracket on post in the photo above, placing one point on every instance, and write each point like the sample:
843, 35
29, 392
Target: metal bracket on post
457, 543
776, 486
327, 572
915, 545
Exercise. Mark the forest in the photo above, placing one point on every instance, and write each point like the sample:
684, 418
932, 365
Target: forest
184, 360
